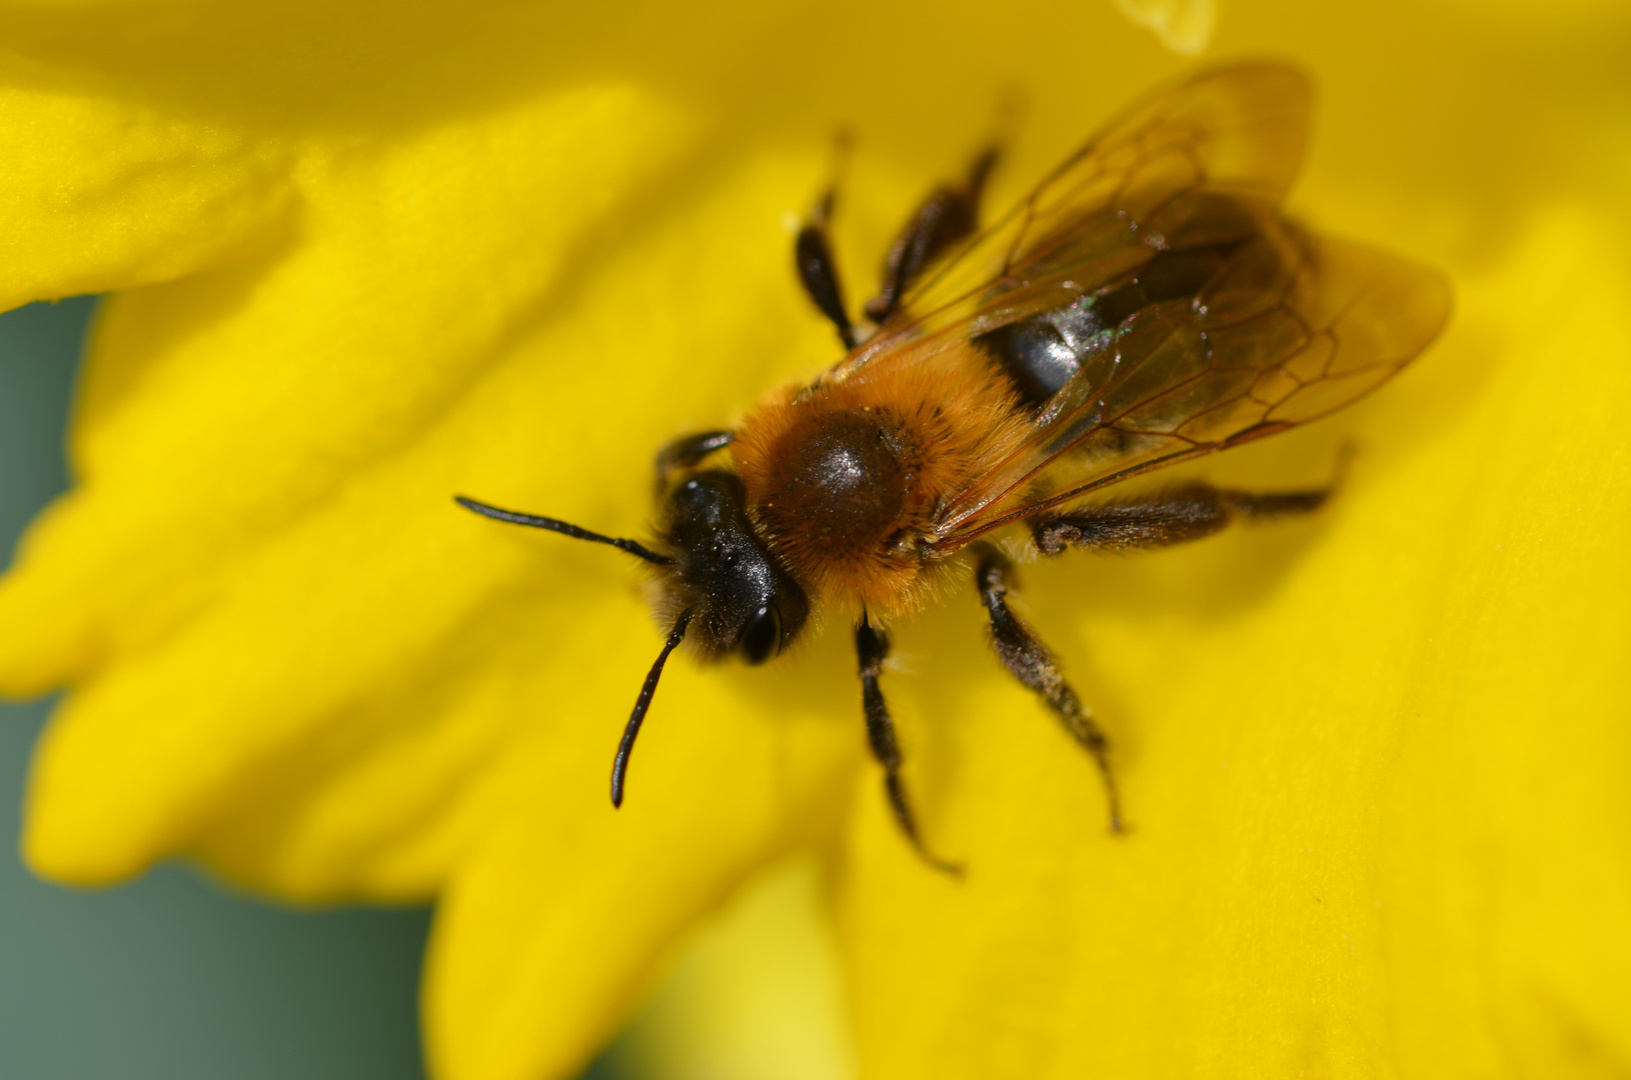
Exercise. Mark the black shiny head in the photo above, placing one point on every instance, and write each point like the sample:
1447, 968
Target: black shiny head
740, 598
723, 586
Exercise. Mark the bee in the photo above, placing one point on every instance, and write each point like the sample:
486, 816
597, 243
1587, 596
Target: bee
1146, 304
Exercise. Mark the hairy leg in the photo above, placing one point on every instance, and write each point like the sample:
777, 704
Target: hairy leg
1024, 655
949, 214
1188, 512
814, 260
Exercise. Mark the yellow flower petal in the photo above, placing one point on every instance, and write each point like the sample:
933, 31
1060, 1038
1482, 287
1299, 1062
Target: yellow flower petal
475, 222
101, 193
1446, 800
508, 251
755, 992
554, 923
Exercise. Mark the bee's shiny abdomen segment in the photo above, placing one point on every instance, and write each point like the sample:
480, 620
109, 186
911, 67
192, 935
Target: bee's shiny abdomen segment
1040, 354
840, 482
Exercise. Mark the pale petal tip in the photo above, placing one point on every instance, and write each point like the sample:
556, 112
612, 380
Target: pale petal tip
1184, 26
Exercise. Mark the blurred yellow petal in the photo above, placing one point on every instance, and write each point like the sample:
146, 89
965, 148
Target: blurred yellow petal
210, 417
574, 908
756, 992
1184, 26
100, 193
369, 256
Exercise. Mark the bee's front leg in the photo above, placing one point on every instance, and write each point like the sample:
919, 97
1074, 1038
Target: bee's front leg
687, 452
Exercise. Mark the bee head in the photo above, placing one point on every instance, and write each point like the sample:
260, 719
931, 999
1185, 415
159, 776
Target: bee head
718, 579
739, 597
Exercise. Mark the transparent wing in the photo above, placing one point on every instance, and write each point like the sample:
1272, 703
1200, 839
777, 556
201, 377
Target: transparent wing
1293, 327
1235, 133
1201, 317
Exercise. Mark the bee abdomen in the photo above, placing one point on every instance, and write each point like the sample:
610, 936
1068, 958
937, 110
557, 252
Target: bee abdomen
1040, 354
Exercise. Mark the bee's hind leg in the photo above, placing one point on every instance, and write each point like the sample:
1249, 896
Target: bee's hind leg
1024, 655
871, 648
1188, 512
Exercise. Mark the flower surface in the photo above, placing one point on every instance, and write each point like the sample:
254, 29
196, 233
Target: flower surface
363, 257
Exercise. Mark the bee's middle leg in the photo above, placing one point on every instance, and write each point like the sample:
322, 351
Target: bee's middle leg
949, 214
1029, 661
871, 648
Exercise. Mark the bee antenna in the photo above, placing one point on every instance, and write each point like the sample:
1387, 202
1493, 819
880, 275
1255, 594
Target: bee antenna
620, 764
555, 525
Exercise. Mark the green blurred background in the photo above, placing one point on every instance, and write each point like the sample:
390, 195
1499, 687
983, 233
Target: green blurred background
168, 978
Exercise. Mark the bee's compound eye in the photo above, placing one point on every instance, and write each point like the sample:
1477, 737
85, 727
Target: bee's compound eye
762, 638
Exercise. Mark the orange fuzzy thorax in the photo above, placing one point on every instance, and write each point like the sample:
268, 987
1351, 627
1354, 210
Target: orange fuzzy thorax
845, 476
